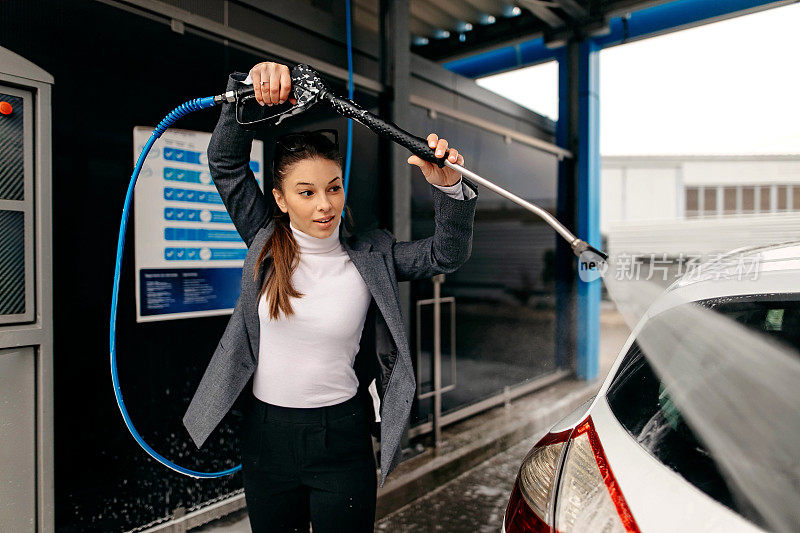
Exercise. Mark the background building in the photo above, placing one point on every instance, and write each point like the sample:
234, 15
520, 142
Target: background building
698, 204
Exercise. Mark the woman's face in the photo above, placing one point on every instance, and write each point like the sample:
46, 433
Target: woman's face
312, 190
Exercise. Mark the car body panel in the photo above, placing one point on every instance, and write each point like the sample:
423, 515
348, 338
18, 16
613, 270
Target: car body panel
645, 482
779, 271
659, 498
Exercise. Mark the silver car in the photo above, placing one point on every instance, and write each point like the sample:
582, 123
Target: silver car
604, 468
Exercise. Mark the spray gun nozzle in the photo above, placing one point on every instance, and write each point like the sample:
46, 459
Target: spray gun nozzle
591, 248
579, 247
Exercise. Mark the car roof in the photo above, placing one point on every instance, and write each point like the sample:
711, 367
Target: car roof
759, 270
777, 257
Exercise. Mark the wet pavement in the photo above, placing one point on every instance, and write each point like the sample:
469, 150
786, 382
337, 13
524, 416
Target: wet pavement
473, 502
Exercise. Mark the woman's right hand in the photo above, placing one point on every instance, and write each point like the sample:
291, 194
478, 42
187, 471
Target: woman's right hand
272, 83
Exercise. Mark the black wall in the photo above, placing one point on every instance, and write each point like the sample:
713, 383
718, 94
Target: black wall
115, 70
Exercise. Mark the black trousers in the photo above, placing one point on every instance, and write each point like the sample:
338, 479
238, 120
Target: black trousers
302, 465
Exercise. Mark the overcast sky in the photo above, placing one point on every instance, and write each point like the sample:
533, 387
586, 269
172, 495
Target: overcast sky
731, 87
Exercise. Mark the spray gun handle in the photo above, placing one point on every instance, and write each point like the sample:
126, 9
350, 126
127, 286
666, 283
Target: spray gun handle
279, 111
417, 145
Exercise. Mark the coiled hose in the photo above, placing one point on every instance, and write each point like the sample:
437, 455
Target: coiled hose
180, 111
177, 113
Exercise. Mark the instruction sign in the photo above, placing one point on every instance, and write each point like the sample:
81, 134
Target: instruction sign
189, 255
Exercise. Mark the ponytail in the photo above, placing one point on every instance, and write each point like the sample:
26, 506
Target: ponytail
285, 258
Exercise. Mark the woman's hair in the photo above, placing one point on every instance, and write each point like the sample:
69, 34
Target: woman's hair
278, 281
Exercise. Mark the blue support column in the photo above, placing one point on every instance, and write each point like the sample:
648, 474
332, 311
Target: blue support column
578, 206
588, 204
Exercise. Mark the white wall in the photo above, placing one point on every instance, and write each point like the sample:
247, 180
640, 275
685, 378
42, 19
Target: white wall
641, 199
651, 194
639, 189
611, 198
638, 193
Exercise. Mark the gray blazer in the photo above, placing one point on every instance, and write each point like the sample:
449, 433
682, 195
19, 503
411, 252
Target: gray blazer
382, 262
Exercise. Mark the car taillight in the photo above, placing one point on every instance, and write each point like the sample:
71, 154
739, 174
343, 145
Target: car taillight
588, 499
529, 506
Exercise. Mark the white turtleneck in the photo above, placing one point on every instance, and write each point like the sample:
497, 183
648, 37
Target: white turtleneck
306, 360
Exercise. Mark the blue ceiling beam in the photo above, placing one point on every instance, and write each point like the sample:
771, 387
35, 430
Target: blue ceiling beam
501, 59
675, 16
646, 22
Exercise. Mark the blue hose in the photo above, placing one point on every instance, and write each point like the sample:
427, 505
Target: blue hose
169, 120
181, 111
350, 96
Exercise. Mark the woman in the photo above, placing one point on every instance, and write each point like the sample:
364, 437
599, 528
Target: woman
310, 293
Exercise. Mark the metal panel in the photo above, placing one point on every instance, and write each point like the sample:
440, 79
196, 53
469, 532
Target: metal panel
543, 13
509, 133
460, 10
211, 10
432, 15
251, 42
440, 77
505, 285
16, 208
27, 501
325, 22
18, 438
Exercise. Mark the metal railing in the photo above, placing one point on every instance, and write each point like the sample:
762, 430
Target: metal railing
438, 390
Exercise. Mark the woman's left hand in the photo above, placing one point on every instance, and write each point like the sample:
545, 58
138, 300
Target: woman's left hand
439, 176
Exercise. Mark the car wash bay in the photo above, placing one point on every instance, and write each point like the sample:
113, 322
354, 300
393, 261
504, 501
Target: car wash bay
513, 319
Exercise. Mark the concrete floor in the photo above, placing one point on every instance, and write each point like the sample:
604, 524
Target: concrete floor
474, 501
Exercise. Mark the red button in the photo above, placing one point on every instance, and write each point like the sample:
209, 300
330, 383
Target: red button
6, 108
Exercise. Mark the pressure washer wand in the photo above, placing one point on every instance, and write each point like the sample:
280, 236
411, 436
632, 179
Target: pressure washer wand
309, 89
419, 147
578, 246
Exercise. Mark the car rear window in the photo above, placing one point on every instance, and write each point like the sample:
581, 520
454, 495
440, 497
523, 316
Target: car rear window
643, 406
